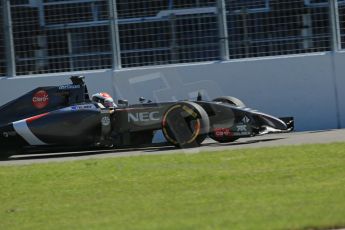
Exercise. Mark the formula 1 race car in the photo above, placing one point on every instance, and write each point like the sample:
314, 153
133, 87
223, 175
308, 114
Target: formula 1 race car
65, 116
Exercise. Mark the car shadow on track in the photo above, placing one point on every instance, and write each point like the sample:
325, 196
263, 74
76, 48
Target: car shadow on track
247, 142
216, 144
141, 150
38, 155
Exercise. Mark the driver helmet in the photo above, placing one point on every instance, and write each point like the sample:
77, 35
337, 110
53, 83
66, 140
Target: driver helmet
105, 99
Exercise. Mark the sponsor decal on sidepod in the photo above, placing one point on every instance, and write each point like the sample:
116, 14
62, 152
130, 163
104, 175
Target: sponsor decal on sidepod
143, 116
40, 99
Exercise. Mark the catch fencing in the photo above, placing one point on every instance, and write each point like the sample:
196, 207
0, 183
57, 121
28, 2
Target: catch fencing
49, 36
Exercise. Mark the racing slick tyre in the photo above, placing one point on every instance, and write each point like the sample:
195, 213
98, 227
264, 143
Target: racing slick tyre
185, 124
230, 100
223, 135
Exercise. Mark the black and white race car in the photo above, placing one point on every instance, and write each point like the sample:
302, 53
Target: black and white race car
65, 116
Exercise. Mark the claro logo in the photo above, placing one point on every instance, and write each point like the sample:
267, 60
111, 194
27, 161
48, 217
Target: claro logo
40, 99
144, 116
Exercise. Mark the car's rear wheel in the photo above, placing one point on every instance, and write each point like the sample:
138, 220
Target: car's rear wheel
224, 135
185, 124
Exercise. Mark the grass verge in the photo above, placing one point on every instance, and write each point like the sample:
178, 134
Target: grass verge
271, 188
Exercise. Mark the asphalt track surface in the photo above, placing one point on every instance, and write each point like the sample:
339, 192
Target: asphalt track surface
270, 140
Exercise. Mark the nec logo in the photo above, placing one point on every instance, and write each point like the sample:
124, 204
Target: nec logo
144, 116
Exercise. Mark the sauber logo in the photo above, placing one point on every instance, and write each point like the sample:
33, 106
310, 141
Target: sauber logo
40, 99
144, 116
105, 121
242, 128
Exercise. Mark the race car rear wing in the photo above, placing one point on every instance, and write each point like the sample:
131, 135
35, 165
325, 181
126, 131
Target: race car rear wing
45, 99
81, 95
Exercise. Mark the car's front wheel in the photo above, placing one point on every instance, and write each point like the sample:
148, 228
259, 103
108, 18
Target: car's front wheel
185, 124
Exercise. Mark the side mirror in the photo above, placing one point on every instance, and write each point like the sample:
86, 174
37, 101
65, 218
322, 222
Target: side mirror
142, 99
122, 102
199, 97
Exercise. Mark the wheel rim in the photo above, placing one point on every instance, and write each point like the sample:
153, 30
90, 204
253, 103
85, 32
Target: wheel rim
181, 125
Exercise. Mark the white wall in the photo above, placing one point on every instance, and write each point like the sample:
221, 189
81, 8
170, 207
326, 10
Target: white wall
339, 76
299, 86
